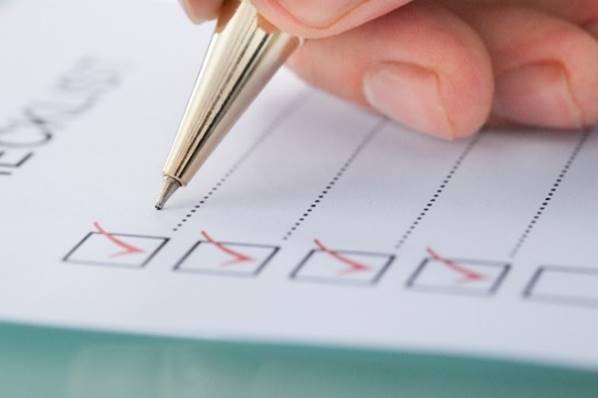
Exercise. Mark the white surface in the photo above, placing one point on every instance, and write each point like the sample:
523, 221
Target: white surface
94, 92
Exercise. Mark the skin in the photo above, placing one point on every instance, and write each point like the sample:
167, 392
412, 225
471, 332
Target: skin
447, 67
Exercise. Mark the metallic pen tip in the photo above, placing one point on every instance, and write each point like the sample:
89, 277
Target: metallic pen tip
169, 186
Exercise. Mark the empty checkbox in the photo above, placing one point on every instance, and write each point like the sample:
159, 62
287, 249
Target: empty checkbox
564, 285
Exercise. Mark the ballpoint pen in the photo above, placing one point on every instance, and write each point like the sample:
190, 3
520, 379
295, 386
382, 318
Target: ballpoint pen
245, 52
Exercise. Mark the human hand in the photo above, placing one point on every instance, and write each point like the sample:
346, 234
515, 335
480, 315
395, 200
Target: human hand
447, 67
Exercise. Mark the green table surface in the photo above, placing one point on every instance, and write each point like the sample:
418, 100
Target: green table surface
49, 362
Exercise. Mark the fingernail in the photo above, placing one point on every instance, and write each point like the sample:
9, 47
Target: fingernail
592, 27
409, 94
538, 94
189, 10
322, 14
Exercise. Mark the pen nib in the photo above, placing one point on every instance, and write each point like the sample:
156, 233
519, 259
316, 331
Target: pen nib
169, 186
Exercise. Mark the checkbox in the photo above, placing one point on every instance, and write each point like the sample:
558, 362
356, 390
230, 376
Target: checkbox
564, 285
437, 274
342, 266
115, 249
226, 258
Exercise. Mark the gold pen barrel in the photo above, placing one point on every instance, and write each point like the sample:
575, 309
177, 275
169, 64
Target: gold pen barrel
245, 52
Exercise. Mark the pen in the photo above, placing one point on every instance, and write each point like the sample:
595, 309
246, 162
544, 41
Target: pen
245, 52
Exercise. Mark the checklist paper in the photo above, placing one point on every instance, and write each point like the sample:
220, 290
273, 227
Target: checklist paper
315, 222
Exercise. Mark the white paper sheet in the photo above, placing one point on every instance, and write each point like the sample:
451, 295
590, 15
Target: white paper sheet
314, 222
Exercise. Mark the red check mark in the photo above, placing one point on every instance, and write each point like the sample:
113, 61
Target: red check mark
125, 247
237, 257
351, 265
468, 275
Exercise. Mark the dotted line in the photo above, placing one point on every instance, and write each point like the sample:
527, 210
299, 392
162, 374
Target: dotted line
553, 189
437, 193
293, 107
335, 179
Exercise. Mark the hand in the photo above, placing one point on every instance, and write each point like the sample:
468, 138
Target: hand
447, 67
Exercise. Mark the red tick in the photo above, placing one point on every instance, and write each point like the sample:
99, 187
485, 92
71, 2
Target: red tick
236, 256
352, 265
468, 274
124, 246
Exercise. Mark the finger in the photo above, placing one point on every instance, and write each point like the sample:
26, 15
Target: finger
583, 13
201, 10
592, 28
420, 65
580, 12
322, 18
545, 66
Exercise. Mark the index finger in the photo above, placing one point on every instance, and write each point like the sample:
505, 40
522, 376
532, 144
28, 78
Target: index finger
321, 18
308, 18
201, 10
